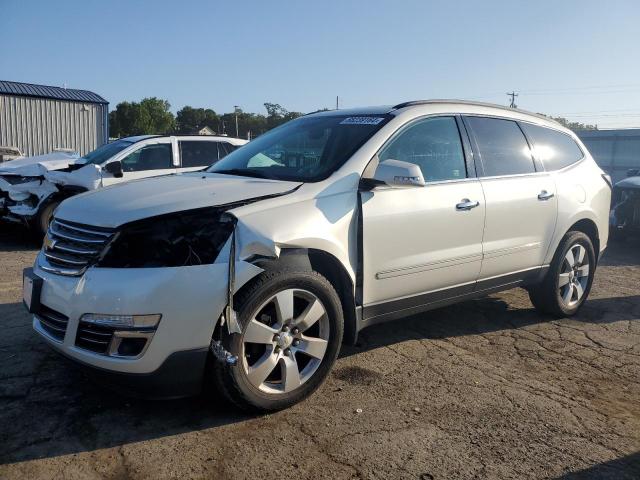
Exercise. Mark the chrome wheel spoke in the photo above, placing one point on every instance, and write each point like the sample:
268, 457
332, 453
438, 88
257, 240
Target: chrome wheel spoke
259, 372
568, 294
564, 279
284, 306
314, 312
258, 332
290, 373
570, 258
583, 271
579, 290
314, 347
581, 253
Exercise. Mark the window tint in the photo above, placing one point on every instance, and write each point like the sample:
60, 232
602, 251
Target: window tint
432, 144
151, 157
225, 149
196, 153
556, 150
503, 147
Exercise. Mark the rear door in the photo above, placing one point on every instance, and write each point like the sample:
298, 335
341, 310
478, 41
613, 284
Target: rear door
422, 243
196, 154
521, 206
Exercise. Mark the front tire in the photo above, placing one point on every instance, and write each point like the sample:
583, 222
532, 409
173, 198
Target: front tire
292, 327
568, 282
44, 217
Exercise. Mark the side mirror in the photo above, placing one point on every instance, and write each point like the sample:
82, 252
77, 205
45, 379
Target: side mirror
398, 174
114, 168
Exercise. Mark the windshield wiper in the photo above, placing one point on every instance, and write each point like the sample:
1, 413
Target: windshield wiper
243, 172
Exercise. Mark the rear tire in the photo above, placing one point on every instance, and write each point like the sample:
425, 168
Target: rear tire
292, 327
568, 282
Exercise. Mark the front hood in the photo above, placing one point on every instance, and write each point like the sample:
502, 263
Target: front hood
38, 165
139, 199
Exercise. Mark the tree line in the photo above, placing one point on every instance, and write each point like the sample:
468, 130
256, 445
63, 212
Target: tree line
152, 116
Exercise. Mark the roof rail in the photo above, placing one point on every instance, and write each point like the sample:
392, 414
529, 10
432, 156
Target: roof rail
471, 102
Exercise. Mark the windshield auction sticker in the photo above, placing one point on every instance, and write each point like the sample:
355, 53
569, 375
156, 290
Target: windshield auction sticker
361, 121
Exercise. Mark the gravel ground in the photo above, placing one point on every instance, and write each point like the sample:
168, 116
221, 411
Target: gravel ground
485, 389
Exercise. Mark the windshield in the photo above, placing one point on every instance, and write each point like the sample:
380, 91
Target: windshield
307, 149
105, 152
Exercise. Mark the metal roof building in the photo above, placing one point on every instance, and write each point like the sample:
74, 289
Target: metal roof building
616, 151
38, 119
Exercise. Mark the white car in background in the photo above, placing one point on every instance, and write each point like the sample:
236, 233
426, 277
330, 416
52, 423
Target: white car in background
262, 265
31, 188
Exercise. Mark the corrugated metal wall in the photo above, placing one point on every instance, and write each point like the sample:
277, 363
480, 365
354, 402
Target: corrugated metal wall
39, 125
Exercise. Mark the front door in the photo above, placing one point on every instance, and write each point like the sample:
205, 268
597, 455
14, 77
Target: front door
420, 241
150, 160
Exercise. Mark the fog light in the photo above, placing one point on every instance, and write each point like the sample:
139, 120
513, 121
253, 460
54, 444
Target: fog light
122, 321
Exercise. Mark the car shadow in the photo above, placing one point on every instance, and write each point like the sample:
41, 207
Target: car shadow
625, 468
49, 409
485, 315
16, 238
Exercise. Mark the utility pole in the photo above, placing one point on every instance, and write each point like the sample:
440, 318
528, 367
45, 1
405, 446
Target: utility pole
513, 96
235, 109
337, 106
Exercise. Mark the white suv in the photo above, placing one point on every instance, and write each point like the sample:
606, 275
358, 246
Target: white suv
260, 267
32, 188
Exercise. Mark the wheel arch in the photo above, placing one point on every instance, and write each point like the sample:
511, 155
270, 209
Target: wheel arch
329, 267
589, 228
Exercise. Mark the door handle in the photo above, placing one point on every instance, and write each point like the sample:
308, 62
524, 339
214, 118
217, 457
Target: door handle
544, 195
467, 204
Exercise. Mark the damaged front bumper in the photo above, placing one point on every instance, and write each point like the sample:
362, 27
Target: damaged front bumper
21, 201
190, 300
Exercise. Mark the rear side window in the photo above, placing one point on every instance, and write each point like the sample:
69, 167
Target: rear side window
433, 145
502, 146
556, 150
196, 153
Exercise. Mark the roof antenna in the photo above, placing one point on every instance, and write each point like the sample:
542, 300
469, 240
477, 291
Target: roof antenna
513, 96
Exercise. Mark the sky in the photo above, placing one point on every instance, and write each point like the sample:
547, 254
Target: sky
578, 59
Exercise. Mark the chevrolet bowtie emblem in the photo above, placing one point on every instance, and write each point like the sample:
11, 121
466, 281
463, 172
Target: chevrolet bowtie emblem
49, 243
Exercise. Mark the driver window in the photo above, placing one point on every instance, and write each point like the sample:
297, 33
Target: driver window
432, 144
151, 157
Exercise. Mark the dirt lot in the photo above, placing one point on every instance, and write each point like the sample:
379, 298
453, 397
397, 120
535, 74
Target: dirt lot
486, 389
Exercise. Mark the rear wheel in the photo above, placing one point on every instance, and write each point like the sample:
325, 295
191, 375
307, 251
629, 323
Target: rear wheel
568, 281
291, 334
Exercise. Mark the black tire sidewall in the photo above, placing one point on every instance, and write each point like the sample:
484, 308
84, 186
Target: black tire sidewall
44, 215
271, 283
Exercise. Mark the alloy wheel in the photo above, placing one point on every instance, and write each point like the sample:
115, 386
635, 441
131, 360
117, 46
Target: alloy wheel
285, 341
574, 275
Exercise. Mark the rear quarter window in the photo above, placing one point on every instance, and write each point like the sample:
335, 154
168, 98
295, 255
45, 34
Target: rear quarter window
554, 149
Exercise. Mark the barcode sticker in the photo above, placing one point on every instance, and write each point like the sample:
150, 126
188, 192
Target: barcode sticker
361, 121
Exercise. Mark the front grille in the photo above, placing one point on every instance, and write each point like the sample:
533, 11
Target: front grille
69, 248
54, 323
94, 337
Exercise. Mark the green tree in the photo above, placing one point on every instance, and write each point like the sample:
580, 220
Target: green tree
190, 120
151, 116
575, 126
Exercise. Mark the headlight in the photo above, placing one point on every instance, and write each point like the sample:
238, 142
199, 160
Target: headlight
175, 240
